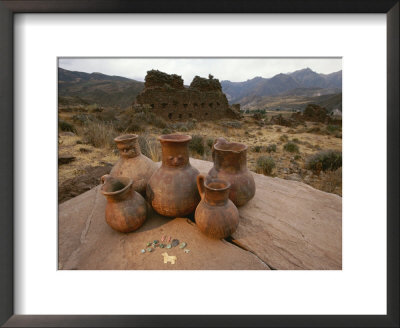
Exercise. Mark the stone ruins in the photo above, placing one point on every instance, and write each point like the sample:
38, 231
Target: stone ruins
165, 95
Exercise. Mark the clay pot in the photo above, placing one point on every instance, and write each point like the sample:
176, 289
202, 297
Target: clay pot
216, 215
172, 189
132, 163
126, 209
230, 163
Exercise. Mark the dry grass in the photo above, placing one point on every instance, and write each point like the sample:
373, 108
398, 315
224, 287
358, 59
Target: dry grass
100, 134
250, 134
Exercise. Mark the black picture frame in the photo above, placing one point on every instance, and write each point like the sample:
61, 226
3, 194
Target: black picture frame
7, 11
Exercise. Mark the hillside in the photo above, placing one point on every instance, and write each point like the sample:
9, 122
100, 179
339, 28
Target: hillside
291, 91
104, 90
304, 83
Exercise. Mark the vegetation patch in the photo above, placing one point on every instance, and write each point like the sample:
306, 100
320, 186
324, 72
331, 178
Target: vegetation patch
256, 149
100, 134
325, 160
283, 138
291, 147
65, 126
149, 146
232, 124
271, 148
265, 165
196, 145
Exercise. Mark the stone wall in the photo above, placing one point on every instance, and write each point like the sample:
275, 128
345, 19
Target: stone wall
165, 95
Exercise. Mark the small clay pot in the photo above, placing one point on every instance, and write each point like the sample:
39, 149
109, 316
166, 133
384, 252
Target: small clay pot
132, 163
230, 163
172, 189
126, 209
216, 215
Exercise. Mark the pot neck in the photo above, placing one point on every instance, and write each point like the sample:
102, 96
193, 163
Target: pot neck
175, 154
230, 161
129, 149
121, 196
216, 197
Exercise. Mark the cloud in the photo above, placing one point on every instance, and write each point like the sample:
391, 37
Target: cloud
233, 69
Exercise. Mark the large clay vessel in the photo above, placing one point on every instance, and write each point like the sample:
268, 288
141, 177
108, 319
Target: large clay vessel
172, 189
216, 215
230, 163
132, 163
126, 209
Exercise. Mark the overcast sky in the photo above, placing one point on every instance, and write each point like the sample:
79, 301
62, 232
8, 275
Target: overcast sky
233, 69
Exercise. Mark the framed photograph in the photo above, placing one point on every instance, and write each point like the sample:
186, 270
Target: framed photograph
108, 103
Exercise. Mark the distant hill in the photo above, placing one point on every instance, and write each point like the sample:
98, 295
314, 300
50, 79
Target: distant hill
304, 82
102, 89
291, 91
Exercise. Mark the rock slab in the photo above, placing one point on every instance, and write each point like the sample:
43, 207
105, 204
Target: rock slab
288, 225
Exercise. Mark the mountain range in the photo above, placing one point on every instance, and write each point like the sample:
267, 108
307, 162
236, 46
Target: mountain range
102, 89
282, 91
304, 82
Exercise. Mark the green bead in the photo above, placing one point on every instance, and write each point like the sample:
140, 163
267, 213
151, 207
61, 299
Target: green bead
155, 242
169, 246
149, 249
182, 245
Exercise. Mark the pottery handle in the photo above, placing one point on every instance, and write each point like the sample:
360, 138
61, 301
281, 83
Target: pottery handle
200, 185
104, 178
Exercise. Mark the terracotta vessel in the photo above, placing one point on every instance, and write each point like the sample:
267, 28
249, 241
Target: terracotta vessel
230, 163
126, 209
133, 164
216, 215
172, 189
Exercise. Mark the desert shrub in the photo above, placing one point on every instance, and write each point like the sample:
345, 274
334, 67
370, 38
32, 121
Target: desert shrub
297, 157
265, 165
99, 134
65, 126
82, 118
291, 147
278, 130
107, 115
315, 129
166, 131
150, 147
94, 108
333, 182
296, 140
196, 145
179, 126
271, 148
256, 149
210, 143
232, 124
159, 122
137, 121
324, 160
333, 128
191, 124
283, 138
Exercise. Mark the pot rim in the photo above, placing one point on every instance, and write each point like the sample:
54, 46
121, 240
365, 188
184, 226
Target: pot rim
126, 138
174, 138
242, 146
111, 193
226, 182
